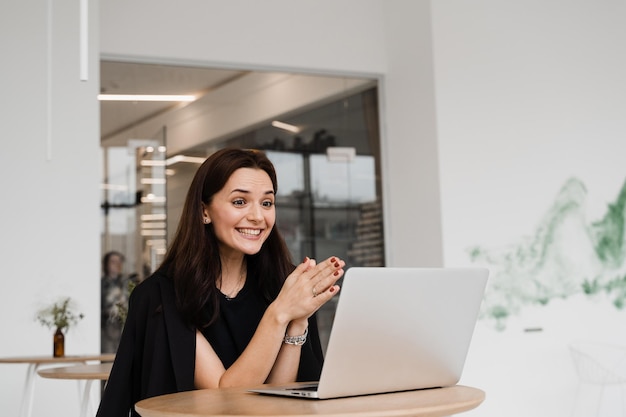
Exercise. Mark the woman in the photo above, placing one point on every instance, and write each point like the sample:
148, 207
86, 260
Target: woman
114, 291
226, 307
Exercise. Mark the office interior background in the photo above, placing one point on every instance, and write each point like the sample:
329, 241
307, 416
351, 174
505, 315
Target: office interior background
501, 126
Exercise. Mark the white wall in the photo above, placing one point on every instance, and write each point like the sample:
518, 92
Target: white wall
529, 95
324, 35
410, 148
49, 169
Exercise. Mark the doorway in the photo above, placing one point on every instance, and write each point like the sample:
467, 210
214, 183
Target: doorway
321, 133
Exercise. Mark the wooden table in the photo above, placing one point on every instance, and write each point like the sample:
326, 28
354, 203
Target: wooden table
38, 362
86, 373
96, 371
231, 402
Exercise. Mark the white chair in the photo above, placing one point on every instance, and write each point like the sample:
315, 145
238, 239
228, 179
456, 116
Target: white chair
601, 365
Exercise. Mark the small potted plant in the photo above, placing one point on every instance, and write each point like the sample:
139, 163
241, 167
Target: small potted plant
59, 316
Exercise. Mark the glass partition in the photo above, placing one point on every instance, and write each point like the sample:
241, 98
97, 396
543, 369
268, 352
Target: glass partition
328, 201
133, 195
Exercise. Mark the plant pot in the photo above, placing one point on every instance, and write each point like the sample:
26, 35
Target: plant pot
59, 344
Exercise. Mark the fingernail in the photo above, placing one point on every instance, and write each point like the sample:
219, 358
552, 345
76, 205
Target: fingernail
336, 273
333, 259
336, 264
332, 289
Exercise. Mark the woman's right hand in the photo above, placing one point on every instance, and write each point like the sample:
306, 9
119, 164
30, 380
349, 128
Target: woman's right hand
307, 288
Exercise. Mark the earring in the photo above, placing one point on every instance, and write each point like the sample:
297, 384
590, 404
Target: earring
206, 221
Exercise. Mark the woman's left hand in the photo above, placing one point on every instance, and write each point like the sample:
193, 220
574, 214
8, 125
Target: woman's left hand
308, 287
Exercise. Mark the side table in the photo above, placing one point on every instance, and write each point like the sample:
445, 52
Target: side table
86, 373
37, 362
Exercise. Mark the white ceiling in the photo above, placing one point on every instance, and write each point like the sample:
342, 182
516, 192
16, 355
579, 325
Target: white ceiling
256, 95
138, 78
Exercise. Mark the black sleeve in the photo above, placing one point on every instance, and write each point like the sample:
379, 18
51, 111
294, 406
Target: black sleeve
117, 400
156, 354
311, 357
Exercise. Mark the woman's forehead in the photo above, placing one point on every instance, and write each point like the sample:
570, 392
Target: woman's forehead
249, 179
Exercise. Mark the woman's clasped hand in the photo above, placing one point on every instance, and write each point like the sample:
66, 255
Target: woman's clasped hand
309, 286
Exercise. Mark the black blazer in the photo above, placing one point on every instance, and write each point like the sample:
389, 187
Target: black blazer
157, 350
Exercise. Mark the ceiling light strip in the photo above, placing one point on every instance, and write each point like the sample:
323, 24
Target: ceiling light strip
153, 216
145, 97
151, 198
184, 158
154, 181
152, 163
286, 126
157, 225
153, 233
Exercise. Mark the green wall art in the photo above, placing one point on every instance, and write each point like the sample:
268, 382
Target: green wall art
565, 255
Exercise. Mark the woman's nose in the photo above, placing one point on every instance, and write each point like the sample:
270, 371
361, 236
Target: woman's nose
255, 213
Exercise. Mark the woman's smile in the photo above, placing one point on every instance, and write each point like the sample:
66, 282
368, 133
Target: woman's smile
249, 232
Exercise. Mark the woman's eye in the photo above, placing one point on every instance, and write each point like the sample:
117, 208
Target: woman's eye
267, 203
239, 202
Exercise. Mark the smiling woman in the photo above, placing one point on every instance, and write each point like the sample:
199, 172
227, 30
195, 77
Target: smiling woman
237, 312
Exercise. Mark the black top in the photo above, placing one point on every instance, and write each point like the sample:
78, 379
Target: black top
240, 316
156, 354
235, 326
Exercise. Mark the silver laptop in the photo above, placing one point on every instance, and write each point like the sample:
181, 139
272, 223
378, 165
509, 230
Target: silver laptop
397, 329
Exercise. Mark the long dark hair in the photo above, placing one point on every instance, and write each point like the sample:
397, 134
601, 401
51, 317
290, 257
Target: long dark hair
193, 259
